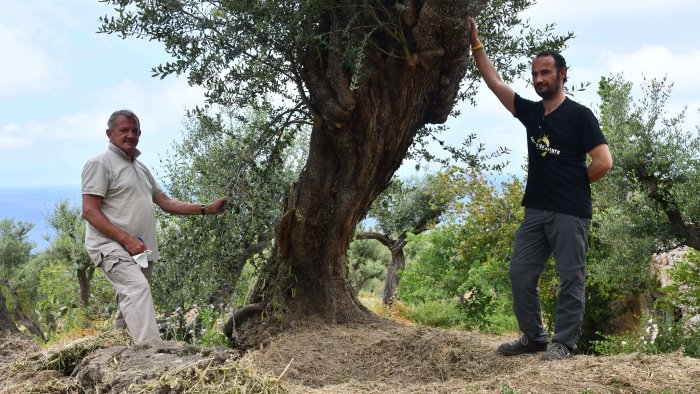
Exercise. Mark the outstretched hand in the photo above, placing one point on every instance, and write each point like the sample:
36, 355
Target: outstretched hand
217, 206
473, 33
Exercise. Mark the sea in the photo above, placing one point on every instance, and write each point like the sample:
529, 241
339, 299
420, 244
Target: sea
34, 205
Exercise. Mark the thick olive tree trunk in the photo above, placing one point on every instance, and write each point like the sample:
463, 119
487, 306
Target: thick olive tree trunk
359, 139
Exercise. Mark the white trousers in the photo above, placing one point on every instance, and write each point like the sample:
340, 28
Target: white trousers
135, 309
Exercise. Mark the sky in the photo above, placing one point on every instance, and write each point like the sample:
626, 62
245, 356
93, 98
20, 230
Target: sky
60, 80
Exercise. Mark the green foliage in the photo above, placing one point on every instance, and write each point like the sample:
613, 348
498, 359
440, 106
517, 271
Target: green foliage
199, 326
654, 336
15, 248
69, 243
415, 204
506, 389
674, 328
58, 303
432, 269
489, 216
222, 155
49, 283
684, 292
646, 204
25, 282
653, 184
237, 50
466, 258
367, 262
17, 265
437, 314
408, 207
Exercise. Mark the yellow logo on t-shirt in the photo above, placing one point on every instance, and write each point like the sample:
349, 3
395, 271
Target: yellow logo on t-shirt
544, 140
543, 145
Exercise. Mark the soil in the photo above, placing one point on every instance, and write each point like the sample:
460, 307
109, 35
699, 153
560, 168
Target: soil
397, 358
372, 358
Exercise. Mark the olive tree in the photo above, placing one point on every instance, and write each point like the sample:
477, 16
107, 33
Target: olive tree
369, 77
408, 207
220, 155
656, 175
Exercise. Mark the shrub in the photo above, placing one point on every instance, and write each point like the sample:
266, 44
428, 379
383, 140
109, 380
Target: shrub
666, 332
437, 314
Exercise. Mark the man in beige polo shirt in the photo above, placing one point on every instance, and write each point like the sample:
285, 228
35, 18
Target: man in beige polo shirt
118, 195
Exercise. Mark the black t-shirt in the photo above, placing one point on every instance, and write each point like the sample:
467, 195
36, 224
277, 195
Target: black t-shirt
557, 177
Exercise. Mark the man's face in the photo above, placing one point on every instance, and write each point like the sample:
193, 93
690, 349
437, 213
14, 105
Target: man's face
125, 134
545, 78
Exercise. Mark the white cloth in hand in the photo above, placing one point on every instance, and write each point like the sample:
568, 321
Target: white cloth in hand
142, 258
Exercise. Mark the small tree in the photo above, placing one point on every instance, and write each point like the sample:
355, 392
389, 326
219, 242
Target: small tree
15, 257
648, 203
408, 207
367, 265
69, 245
656, 176
15, 248
7, 325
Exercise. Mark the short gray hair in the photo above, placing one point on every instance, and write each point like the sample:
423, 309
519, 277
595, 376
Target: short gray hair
123, 112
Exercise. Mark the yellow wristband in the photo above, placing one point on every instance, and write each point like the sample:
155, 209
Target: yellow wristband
479, 47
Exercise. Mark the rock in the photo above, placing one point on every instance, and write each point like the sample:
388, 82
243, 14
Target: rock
115, 369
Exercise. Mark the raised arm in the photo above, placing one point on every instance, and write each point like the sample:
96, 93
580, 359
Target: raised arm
601, 162
92, 212
505, 94
178, 207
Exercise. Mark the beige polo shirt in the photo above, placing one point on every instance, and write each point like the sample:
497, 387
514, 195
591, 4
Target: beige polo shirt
128, 190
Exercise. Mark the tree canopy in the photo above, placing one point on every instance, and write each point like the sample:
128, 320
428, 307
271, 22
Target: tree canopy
242, 52
656, 176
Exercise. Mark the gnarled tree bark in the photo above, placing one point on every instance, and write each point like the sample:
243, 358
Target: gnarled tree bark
359, 139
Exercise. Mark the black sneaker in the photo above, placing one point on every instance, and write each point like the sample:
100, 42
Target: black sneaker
556, 351
520, 346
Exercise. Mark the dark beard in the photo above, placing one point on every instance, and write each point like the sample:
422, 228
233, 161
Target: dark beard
548, 93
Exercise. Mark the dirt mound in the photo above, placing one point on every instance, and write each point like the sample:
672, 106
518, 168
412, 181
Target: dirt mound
394, 358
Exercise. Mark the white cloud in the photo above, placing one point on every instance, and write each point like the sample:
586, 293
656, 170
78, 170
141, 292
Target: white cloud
564, 12
160, 106
10, 138
657, 62
26, 69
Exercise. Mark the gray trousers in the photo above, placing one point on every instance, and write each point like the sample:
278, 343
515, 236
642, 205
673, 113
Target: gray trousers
541, 234
135, 309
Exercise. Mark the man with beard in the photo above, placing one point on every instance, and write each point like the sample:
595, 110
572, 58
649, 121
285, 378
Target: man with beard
560, 133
